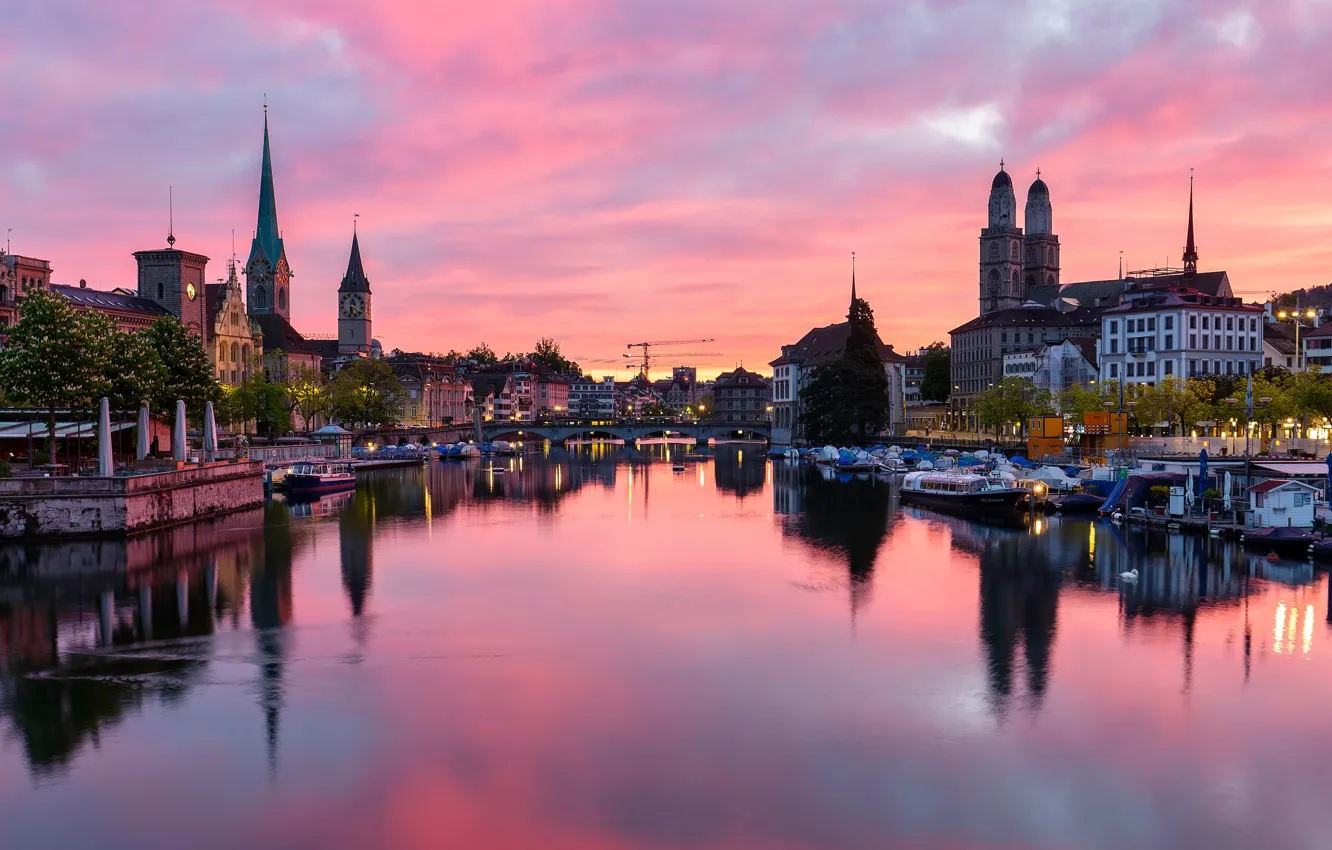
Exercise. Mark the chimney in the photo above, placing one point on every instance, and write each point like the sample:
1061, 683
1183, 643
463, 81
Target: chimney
83, 284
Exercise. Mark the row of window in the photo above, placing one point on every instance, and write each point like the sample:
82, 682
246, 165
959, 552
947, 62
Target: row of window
1148, 323
1210, 342
1197, 368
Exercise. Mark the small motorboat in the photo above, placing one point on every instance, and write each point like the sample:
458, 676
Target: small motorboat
1076, 503
312, 479
1280, 540
677, 467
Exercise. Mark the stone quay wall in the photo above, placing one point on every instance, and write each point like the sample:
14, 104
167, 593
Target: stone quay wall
39, 507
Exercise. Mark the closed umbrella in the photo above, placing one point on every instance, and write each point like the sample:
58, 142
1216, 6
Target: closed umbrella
106, 464
210, 434
178, 433
1225, 493
141, 450
1188, 491
1202, 471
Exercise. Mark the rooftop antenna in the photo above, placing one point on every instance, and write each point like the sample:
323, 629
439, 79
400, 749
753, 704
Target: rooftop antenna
355, 217
8, 233
171, 217
1121, 265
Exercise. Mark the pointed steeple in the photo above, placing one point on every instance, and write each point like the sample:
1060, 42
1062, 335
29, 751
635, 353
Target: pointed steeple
853, 286
1190, 249
267, 235
355, 279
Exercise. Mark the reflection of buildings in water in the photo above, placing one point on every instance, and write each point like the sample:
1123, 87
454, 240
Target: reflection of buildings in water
356, 550
55, 597
788, 487
847, 519
271, 608
741, 470
1019, 596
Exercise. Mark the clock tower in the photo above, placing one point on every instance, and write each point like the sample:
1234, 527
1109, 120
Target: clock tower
267, 275
354, 336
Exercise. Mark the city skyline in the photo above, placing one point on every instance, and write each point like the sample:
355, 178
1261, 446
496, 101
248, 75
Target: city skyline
644, 174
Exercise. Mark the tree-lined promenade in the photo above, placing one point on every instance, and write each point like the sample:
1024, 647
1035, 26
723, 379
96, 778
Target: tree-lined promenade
1173, 405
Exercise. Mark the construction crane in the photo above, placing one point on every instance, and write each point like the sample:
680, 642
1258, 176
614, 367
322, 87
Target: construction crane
645, 367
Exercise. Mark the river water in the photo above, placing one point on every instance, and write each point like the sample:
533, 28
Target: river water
591, 651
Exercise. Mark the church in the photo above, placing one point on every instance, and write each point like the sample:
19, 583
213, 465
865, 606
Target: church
268, 285
1023, 304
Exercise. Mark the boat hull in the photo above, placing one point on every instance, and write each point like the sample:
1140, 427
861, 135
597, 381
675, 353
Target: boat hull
309, 485
1285, 545
989, 503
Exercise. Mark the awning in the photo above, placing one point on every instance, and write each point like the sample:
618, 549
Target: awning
1311, 469
20, 430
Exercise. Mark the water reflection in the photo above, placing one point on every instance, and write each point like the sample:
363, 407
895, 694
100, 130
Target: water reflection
518, 649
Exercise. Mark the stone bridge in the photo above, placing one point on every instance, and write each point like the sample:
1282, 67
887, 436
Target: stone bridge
629, 432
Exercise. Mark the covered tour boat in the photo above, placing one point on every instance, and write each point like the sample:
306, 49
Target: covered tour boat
308, 479
962, 493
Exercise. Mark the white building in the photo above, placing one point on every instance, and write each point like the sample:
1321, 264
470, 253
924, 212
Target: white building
1066, 364
1162, 332
1282, 503
1021, 364
591, 399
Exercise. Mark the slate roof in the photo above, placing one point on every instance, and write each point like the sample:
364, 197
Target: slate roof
1108, 293
827, 343
278, 333
1281, 336
1031, 316
100, 299
355, 280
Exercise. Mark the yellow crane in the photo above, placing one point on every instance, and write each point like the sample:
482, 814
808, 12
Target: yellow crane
645, 365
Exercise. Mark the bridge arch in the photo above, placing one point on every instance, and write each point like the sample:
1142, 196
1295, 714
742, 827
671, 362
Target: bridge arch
629, 432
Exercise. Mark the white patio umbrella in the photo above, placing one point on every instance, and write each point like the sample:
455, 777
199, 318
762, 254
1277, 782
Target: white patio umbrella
106, 464
1188, 491
141, 450
178, 432
1225, 493
210, 433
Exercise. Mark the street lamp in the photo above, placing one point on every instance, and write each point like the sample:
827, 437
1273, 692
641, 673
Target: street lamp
1295, 316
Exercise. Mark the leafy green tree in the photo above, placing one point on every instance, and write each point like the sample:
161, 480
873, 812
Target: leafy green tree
365, 393
1014, 401
484, 355
1173, 400
847, 399
135, 371
189, 375
305, 392
547, 353
936, 385
55, 357
1079, 399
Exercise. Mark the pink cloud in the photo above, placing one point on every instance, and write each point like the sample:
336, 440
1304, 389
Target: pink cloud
608, 171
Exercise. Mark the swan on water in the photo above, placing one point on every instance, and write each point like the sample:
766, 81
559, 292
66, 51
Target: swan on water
1131, 575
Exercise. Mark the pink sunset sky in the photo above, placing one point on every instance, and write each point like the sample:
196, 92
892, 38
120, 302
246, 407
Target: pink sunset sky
609, 172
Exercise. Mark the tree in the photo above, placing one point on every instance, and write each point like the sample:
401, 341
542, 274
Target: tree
135, 371
547, 353
483, 354
937, 383
54, 357
1079, 399
846, 399
189, 376
1174, 400
304, 392
1015, 400
365, 392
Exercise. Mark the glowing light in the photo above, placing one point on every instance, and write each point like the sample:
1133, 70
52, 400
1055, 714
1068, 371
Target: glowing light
1308, 630
1280, 621
1091, 541
1292, 621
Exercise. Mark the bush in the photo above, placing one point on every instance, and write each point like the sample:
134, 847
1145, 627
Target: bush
1211, 493
6, 471
1160, 495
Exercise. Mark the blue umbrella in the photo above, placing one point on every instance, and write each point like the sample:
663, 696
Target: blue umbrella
1202, 472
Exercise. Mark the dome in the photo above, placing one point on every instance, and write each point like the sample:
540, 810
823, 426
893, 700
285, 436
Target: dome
1038, 189
1001, 180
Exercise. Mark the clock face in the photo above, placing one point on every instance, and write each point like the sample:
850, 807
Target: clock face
259, 271
190, 291
353, 306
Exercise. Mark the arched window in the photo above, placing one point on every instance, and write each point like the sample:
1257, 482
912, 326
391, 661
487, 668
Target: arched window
221, 352
245, 354
1031, 256
1050, 279
1049, 256
282, 299
1031, 281
993, 287
235, 352
994, 250
161, 290
261, 298
1014, 251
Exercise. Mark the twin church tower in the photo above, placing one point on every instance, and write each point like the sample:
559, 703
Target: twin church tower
1018, 266
268, 274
